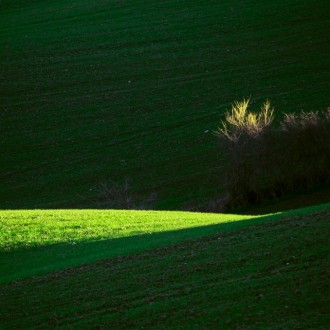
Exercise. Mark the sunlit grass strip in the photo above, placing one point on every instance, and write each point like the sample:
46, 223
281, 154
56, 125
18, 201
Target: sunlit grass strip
39, 242
270, 276
29, 228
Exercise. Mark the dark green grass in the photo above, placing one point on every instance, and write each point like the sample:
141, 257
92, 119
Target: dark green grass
41, 241
92, 90
306, 197
270, 276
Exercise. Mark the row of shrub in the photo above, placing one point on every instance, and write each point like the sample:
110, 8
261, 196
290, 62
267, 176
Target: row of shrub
264, 161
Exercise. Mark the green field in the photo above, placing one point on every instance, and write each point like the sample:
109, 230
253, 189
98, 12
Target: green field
36, 242
98, 90
225, 272
41, 241
94, 91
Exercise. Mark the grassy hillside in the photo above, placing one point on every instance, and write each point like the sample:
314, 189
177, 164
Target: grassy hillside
264, 275
92, 90
37, 242
41, 241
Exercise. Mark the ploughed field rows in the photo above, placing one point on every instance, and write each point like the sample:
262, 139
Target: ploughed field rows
270, 272
98, 90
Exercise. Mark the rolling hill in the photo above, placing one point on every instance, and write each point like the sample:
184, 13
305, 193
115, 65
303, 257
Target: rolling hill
170, 270
96, 92
105, 90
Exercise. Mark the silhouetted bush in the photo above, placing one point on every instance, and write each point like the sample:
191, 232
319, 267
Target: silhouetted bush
264, 162
113, 195
306, 139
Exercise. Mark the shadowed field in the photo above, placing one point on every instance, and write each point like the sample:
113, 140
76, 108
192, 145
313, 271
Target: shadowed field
92, 90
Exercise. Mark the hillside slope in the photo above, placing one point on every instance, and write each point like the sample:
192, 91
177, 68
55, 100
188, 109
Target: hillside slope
98, 90
35, 242
273, 275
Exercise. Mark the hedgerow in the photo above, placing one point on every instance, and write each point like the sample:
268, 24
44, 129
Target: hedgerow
265, 161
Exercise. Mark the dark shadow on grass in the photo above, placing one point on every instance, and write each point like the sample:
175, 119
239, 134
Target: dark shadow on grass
40, 260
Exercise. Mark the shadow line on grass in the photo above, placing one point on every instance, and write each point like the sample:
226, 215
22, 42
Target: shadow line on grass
40, 260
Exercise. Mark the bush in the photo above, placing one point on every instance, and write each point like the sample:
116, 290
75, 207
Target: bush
242, 139
242, 123
306, 138
113, 195
264, 162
